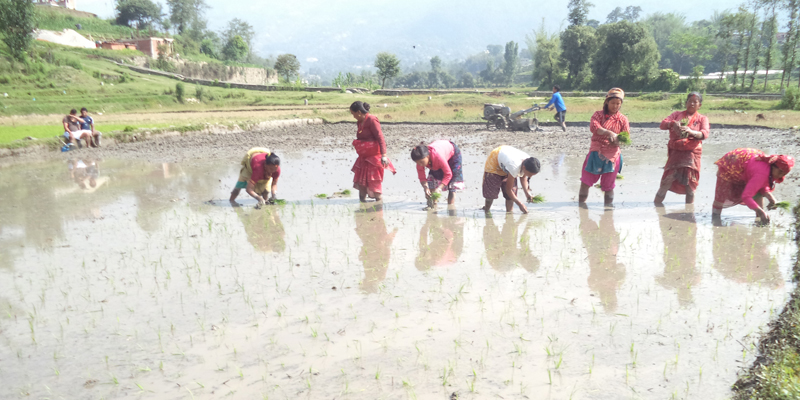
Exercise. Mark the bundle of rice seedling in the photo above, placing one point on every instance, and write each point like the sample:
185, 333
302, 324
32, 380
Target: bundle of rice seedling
436, 196
537, 199
784, 205
624, 137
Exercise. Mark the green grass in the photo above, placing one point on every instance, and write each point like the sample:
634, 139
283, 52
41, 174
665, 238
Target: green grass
56, 19
321, 196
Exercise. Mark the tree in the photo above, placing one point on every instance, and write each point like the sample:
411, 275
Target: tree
287, 65
236, 50
495, 49
489, 75
17, 21
578, 12
630, 14
186, 13
435, 76
770, 31
209, 48
789, 49
238, 27
388, 66
688, 45
137, 13
662, 26
577, 46
546, 54
748, 29
724, 36
467, 80
511, 57
627, 56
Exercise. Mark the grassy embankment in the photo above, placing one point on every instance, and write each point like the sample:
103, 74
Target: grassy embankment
66, 78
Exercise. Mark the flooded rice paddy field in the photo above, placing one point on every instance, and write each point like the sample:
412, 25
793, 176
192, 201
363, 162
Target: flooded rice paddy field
137, 279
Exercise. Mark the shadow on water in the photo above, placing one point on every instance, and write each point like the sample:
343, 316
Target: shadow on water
742, 254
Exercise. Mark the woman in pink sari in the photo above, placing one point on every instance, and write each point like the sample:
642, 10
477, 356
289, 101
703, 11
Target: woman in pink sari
687, 130
604, 160
371, 148
748, 176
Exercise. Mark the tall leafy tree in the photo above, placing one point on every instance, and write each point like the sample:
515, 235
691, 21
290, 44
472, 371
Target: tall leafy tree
435, 76
578, 43
186, 14
388, 66
770, 32
630, 14
546, 56
688, 45
788, 50
138, 14
724, 36
749, 28
235, 49
662, 26
287, 65
740, 26
17, 21
241, 28
511, 57
626, 56
578, 12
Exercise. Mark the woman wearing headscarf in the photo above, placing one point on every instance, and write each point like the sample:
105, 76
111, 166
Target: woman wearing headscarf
748, 176
371, 148
687, 130
443, 159
604, 160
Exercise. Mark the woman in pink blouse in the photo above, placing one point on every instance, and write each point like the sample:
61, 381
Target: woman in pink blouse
371, 148
443, 158
748, 176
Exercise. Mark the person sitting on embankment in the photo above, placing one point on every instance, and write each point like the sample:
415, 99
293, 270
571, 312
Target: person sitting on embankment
72, 129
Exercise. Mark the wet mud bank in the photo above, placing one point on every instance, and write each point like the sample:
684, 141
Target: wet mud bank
773, 374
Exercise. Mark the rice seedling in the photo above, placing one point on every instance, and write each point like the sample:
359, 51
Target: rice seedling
784, 205
539, 198
624, 137
321, 196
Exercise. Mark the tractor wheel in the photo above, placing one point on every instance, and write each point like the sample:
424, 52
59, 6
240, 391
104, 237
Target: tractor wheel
534, 125
500, 124
490, 125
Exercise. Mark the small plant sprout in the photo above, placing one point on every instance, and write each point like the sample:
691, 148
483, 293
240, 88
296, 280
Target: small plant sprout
538, 199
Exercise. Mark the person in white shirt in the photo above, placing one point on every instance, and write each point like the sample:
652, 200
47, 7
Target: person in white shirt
504, 165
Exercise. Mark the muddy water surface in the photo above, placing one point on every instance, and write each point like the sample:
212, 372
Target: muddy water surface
126, 279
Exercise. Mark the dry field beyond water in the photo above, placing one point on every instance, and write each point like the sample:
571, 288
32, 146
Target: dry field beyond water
138, 279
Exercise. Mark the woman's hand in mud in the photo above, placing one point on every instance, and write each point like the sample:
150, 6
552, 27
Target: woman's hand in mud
772, 205
427, 191
523, 208
764, 216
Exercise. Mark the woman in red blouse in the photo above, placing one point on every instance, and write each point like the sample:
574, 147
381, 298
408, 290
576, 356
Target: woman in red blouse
371, 148
687, 130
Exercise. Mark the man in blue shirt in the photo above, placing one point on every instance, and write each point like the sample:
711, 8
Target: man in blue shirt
558, 102
88, 125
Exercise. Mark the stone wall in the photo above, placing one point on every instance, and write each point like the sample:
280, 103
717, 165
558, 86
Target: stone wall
224, 73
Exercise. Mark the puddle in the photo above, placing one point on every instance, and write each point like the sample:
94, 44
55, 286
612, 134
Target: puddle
148, 283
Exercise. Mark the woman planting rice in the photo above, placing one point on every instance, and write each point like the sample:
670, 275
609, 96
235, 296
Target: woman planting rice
260, 171
443, 158
687, 130
604, 160
504, 165
747, 176
371, 148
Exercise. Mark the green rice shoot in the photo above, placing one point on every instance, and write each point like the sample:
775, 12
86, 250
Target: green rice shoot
346, 192
620, 177
436, 196
538, 199
624, 137
321, 196
784, 205
280, 201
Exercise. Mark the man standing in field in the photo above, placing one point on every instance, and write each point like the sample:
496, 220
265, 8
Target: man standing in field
561, 110
72, 129
88, 125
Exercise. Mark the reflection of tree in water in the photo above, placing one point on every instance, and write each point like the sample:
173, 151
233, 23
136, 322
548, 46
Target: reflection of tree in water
264, 228
508, 248
446, 237
679, 232
741, 254
376, 247
602, 244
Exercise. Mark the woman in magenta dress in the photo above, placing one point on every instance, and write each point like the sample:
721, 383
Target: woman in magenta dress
371, 148
748, 176
687, 130
604, 160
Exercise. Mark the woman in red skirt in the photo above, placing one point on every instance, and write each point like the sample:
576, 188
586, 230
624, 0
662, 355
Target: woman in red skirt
687, 130
371, 148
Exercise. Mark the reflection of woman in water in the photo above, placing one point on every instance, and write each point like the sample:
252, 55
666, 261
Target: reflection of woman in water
376, 248
446, 241
602, 244
264, 229
679, 233
741, 254
508, 248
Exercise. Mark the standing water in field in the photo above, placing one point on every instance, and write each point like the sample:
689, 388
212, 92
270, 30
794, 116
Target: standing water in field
150, 284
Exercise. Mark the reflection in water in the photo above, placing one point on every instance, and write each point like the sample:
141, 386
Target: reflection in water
446, 241
741, 254
679, 232
263, 228
602, 244
376, 246
508, 248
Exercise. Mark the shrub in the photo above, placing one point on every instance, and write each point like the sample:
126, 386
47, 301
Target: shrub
179, 92
199, 93
666, 81
227, 86
655, 96
790, 100
129, 129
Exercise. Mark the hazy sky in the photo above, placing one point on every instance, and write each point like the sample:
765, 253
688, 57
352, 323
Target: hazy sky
325, 30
